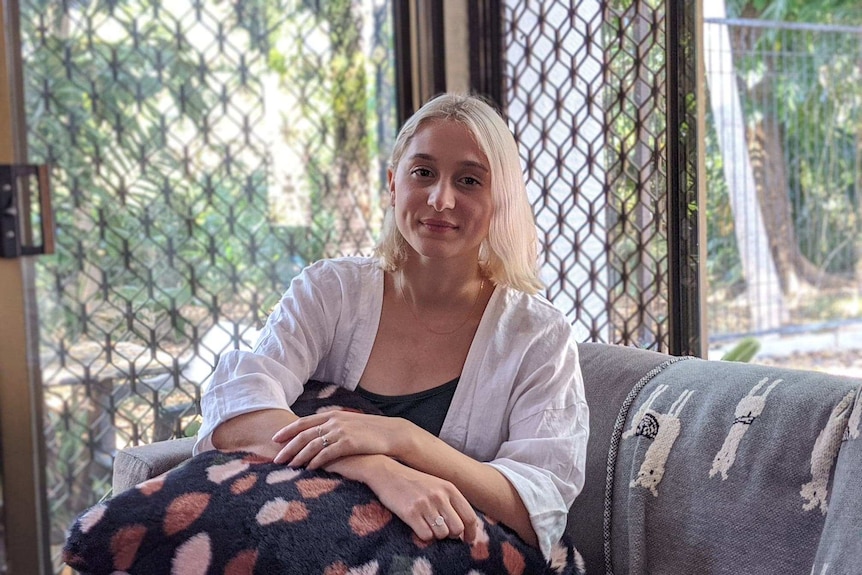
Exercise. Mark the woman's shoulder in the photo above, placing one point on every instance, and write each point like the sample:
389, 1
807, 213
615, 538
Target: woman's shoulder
347, 269
530, 321
532, 308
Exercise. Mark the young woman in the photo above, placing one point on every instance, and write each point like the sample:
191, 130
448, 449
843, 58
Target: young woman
444, 331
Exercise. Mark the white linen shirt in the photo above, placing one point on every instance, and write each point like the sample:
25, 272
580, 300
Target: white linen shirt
519, 405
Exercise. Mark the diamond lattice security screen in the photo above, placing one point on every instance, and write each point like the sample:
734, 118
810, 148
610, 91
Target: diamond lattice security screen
202, 152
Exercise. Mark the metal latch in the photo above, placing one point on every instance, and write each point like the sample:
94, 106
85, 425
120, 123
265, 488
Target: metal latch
21, 208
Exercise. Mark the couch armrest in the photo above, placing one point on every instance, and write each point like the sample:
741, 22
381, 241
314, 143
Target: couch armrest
610, 372
134, 465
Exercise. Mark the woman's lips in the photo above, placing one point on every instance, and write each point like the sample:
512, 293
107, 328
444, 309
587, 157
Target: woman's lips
438, 225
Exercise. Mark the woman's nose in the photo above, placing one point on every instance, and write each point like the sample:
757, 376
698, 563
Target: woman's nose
442, 197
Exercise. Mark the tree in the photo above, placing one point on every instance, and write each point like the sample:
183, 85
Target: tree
765, 301
766, 133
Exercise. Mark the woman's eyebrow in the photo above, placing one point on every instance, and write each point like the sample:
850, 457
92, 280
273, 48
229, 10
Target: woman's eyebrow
472, 164
465, 163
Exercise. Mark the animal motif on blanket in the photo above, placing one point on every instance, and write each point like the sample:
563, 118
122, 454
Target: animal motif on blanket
663, 429
823, 455
239, 514
855, 421
747, 410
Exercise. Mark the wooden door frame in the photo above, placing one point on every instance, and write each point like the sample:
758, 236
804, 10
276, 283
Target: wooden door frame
21, 435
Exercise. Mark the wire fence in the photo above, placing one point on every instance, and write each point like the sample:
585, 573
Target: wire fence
784, 176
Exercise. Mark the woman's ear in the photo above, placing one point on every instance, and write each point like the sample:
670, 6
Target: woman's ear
390, 176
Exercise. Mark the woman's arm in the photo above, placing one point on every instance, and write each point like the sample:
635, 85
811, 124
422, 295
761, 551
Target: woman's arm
253, 432
417, 498
482, 485
351, 434
296, 337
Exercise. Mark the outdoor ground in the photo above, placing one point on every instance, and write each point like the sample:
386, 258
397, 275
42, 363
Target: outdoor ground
837, 350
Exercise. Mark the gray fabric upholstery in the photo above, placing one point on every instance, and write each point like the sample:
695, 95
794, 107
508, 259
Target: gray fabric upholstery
610, 372
136, 464
840, 549
613, 378
724, 468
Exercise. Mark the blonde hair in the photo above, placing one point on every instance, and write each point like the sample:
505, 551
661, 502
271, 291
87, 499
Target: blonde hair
508, 256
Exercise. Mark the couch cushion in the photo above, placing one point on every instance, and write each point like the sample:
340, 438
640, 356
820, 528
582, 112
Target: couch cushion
135, 465
722, 465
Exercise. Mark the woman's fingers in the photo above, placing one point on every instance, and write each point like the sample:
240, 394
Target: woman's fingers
420, 527
432, 507
458, 517
302, 447
296, 427
468, 521
446, 525
313, 448
327, 448
300, 435
357, 433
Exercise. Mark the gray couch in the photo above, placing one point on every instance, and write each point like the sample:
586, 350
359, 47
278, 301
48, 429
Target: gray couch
696, 466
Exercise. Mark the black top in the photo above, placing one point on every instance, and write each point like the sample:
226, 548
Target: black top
427, 409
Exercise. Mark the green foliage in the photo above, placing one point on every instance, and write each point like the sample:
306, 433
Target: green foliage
846, 12
132, 131
193, 427
744, 351
635, 140
151, 115
809, 82
723, 266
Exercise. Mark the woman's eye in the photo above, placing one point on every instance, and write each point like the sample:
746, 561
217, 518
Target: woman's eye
422, 172
470, 181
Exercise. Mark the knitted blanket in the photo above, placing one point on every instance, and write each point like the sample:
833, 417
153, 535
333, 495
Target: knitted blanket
725, 468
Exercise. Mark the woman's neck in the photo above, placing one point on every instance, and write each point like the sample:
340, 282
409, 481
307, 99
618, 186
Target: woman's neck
433, 284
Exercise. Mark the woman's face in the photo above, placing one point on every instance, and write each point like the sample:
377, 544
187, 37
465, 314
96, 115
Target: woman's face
441, 192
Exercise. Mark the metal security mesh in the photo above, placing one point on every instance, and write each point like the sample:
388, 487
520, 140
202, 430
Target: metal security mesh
586, 95
202, 153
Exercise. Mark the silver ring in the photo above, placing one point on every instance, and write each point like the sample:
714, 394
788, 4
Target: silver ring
319, 431
439, 521
325, 441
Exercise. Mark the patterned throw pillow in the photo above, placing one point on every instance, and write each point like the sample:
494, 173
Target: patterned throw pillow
236, 513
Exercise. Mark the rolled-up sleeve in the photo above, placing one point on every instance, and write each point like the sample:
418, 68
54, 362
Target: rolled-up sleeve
544, 456
297, 335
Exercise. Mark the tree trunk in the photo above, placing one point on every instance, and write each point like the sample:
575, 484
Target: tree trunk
763, 287
770, 176
765, 143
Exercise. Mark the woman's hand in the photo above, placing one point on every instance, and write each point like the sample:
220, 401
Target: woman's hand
338, 437
317, 440
419, 499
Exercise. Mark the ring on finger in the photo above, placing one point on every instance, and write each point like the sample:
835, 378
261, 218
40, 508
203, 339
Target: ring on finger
325, 441
439, 521
319, 431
